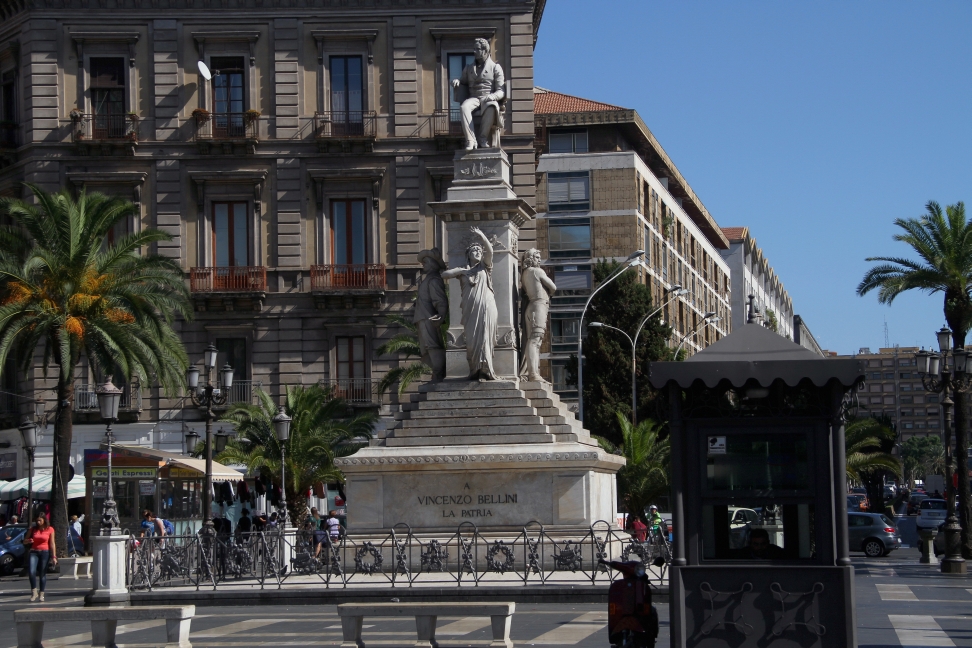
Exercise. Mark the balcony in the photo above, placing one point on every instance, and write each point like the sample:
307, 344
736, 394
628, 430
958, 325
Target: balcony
86, 402
228, 288
233, 133
348, 286
356, 391
242, 391
447, 123
104, 134
343, 131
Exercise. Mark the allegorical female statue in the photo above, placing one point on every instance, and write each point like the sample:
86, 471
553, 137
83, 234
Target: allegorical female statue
478, 305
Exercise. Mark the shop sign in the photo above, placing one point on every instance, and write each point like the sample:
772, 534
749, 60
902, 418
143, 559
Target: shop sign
175, 471
124, 472
8, 466
146, 488
99, 491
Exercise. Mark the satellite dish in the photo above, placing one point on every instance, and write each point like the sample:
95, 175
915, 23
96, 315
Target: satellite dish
204, 70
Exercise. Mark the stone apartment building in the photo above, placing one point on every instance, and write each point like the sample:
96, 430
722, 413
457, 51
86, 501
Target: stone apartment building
294, 182
893, 389
605, 188
753, 275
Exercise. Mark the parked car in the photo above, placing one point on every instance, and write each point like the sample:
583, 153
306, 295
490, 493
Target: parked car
890, 490
739, 524
931, 513
872, 533
857, 502
914, 502
12, 549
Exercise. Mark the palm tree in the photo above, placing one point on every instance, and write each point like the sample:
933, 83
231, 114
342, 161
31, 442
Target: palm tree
862, 441
406, 343
320, 432
67, 288
645, 476
943, 243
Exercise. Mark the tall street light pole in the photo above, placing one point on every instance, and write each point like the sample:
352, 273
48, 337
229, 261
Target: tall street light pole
708, 317
281, 427
633, 259
109, 398
209, 396
634, 402
675, 291
28, 431
937, 377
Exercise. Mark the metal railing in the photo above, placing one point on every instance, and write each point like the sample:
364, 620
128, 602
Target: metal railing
228, 279
86, 398
354, 390
345, 123
94, 127
336, 277
223, 126
242, 391
399, 559
447, 123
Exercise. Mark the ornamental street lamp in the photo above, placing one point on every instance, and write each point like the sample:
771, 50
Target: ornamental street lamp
281, 427
209, 396
109, 398
28, 431
633, 260
938, 378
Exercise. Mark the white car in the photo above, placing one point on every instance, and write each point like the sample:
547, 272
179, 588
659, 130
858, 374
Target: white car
931, 513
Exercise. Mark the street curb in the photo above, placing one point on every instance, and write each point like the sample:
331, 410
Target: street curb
323, 596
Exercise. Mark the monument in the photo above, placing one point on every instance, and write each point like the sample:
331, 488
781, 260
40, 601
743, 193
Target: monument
491, 443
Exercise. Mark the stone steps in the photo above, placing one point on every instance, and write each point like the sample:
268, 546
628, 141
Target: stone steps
431, 415
476, 403
468, 395
505, 431
474, 439
472, 421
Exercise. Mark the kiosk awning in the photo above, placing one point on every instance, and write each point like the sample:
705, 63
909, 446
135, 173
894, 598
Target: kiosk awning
41, 488
220, 472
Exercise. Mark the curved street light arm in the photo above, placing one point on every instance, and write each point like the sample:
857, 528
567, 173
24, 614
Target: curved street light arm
695, 330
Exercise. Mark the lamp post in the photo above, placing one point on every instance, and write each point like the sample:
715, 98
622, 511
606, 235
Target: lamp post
109, 397
634, 402
208, 396
633, 259
281, 427
28, 431
937, 377
708, 317
675, 291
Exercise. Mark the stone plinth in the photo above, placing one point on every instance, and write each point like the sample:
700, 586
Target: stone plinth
499, 454
109, 571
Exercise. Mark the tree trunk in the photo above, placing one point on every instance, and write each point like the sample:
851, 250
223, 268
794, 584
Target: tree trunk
63, 434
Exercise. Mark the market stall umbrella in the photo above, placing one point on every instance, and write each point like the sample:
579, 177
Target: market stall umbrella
42, 488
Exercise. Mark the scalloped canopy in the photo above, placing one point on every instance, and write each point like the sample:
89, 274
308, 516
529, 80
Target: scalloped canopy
755, 353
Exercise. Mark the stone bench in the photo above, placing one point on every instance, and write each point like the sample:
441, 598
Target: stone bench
353, 614
104, 622
76, 567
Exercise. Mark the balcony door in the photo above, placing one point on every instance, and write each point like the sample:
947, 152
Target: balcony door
347, 95
352, 384
108, 97
457, 63
231, 234
228, 93
349, 242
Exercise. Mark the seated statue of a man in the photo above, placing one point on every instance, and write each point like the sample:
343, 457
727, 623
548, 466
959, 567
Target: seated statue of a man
485, 85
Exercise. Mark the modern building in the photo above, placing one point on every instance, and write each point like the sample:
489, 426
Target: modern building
803, 336
294, 178
893, 389
606, 187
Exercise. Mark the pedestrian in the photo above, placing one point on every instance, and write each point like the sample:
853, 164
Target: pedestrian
244, 525
316, 518
76, 523
14, 519
40, 542
333, 526
272, 522
639, 529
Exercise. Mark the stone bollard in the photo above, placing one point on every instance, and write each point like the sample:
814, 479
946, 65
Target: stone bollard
926, 543
110, 556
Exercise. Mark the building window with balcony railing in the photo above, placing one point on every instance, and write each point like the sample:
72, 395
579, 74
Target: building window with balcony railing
109, 119
231, 234
351, 383
347, 96
229, 97
563, 331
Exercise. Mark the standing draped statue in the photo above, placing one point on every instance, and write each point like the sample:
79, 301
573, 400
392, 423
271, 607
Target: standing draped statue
478, 305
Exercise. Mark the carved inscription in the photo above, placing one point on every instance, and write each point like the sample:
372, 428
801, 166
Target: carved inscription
467, 504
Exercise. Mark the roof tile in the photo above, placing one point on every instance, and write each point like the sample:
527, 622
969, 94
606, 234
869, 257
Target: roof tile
546, 102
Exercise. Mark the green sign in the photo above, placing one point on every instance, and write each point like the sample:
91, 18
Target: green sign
124, 472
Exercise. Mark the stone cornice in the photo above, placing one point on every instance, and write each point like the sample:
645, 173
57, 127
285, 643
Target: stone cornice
324, 35
515, 210
79, 178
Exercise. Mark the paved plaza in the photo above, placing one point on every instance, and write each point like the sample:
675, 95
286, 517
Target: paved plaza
899, 603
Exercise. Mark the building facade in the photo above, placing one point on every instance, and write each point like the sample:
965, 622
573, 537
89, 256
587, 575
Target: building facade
605, 188
893, 389
290, 150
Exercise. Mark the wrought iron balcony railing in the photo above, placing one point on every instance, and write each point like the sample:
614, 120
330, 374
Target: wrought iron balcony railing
228, 279
227, 126
243, 391
345, 124
98, 128
447, 123
342, 277
86, 398
359, 391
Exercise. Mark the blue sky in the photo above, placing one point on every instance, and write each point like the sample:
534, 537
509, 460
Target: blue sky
815, 124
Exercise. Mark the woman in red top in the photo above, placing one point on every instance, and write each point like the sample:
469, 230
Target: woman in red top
40, 542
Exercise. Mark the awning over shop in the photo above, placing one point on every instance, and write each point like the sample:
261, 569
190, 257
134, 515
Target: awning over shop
41, 488
220, 472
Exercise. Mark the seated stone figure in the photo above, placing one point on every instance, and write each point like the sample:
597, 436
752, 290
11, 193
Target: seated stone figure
484, 96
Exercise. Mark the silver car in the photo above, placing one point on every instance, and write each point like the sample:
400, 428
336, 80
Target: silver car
872, 533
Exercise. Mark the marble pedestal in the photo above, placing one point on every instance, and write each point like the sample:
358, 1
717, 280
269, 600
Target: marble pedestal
108, 577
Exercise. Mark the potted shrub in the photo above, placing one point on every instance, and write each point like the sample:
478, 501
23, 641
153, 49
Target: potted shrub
251, 115
201, 115
76, 114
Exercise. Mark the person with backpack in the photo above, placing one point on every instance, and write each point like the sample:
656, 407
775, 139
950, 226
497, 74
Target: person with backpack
152, 525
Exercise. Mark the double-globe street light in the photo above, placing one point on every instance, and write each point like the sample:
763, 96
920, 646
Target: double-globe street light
109, 398
28, 431
633, 260
208, 396
938, 378
281, 427
675, 291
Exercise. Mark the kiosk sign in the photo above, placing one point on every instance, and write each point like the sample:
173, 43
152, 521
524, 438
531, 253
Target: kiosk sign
717, 445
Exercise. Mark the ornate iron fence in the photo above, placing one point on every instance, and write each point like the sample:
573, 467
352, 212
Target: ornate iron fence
401, 558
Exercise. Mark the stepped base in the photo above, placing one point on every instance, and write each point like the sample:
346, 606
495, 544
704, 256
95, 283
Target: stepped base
499, 454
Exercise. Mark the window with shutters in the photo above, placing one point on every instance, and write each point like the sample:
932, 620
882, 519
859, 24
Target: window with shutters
568, 191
